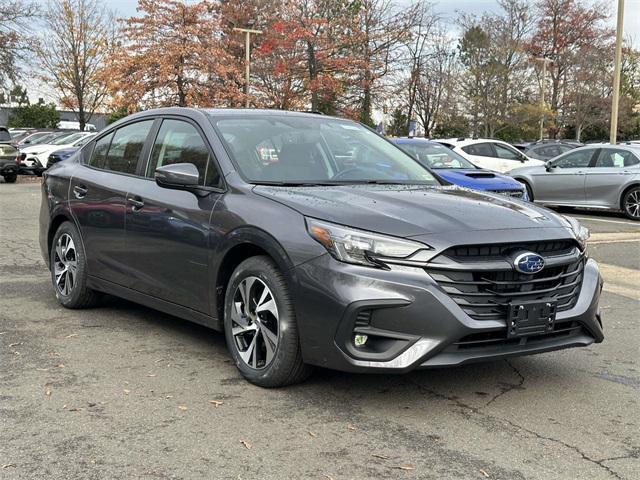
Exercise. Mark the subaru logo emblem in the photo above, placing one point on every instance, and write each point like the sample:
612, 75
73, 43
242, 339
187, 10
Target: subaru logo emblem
528, 262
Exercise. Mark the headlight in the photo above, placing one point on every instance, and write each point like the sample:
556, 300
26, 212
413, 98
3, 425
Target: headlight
361, 247
580, 232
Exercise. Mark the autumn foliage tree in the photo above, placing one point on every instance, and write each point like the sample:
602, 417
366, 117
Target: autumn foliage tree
171, 55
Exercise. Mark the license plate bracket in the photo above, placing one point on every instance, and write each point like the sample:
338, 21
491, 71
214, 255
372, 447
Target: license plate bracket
530, 318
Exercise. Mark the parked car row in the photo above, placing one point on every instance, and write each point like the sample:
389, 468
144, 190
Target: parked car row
595, 176
32, 151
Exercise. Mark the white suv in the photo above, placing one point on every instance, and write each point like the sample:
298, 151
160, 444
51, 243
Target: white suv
490, 153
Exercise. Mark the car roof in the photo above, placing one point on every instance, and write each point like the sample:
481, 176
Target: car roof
462, 141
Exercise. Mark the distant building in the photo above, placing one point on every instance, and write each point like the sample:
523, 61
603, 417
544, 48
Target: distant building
100, 120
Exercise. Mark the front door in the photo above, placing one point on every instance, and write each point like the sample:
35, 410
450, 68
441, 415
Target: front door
564, 181
98, 198
167, 231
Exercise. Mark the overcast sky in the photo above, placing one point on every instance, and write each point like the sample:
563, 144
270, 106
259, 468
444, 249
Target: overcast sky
447, 8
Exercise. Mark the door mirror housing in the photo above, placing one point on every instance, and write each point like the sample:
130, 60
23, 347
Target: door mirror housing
178, 176
549, 165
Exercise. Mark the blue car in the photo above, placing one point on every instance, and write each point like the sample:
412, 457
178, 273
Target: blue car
458, 170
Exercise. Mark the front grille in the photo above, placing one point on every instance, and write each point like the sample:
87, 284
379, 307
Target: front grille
482, 281
475, 253
510, 193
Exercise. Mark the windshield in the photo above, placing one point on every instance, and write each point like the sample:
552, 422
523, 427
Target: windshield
67, 139
281, 149
435, 155
84, 141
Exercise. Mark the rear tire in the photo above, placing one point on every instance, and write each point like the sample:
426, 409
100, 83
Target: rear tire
10, 178
631, 203
68, 264
260, 325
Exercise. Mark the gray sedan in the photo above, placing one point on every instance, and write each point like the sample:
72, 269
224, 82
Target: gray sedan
605, 177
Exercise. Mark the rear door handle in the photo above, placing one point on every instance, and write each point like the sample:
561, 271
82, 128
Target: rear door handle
80, 191
136, 203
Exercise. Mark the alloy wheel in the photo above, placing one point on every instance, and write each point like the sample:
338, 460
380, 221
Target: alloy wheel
255, 324
65, 264
632, 204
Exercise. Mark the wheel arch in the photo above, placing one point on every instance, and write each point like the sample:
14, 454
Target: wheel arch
624, 192
239, 245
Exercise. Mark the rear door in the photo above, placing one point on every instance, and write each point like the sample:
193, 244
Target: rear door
609, 174
167, 239
97, 198
564, 182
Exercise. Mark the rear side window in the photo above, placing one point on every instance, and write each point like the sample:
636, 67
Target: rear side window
180, 142
479, 149
609, 158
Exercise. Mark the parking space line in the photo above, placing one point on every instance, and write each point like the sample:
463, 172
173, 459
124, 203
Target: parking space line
607, 221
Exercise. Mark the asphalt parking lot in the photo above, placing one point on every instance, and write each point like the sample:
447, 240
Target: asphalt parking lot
122, 391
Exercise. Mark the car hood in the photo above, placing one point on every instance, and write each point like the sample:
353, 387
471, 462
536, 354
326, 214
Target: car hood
411, 210
479, 179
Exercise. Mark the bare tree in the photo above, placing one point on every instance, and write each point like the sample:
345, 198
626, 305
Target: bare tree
14, 44
436, 83
78, 38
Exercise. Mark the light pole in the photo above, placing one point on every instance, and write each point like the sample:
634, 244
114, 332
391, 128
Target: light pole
247, 57
543, 85
613, 133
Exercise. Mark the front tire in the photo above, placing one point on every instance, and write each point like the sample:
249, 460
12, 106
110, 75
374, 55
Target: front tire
260, 325
631, 203
69, 269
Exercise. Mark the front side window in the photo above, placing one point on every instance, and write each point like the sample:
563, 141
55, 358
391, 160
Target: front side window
307, 150
577, 159
480, 149
180, 142
436, 156
507, 153
126, 147
610, 158
100, 150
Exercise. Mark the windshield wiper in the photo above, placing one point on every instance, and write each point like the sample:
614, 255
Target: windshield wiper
293, 184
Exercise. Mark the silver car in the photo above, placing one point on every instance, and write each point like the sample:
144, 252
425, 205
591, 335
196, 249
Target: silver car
605, 177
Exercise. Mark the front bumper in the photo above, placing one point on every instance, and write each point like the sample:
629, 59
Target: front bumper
413, 323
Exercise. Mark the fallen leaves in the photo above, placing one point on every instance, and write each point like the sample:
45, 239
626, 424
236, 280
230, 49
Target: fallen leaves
184, 408
11, 345
378, 455
403, 467
246, 444
126, 392
351, 428
71, 335
484, 473
216, 403
8, 465
312, 434
328, 477
48, 393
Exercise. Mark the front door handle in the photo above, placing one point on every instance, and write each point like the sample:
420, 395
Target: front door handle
136, 203
80, 191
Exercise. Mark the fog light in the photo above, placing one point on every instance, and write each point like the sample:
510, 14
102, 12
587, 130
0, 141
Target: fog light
360, 340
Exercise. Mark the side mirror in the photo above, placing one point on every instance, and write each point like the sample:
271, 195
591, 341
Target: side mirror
178, 176
548, 166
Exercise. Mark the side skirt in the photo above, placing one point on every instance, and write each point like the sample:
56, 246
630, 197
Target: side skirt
153, 302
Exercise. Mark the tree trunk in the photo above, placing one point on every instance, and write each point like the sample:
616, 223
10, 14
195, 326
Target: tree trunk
313, 75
